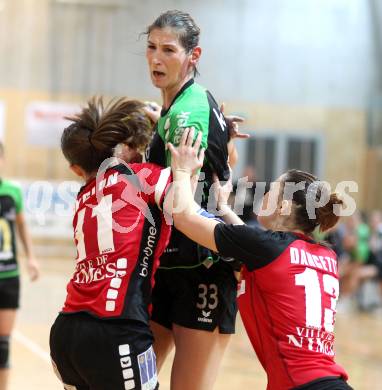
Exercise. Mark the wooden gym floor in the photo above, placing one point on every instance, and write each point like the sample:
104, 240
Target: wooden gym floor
359, 342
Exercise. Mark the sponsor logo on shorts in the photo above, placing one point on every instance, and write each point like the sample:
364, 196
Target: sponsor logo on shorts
127, 369
148, 369
205, 318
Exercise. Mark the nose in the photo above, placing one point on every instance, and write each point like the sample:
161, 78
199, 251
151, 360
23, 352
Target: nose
156, 60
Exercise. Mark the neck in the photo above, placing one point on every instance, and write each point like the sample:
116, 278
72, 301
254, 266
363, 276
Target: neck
89, 177
287, 227
168, 94
291, 230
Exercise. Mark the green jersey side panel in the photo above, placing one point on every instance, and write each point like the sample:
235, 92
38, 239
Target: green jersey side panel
190, 109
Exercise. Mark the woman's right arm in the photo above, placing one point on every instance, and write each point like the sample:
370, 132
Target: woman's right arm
179, 202
251, 245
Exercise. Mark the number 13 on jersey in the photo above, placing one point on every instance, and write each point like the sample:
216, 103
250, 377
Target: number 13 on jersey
310, 279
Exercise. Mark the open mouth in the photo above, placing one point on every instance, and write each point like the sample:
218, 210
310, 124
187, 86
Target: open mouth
156, 73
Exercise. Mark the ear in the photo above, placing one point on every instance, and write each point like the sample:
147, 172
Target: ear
195, 55
285, 207
78, 170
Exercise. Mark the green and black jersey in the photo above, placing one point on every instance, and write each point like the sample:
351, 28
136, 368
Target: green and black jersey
193, 106
11, 203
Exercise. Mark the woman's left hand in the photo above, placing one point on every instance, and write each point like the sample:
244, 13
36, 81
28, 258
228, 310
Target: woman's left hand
152, 110
188, 156
232, 122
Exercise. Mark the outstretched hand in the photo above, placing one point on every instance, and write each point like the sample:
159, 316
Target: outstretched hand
233, 124
188, 156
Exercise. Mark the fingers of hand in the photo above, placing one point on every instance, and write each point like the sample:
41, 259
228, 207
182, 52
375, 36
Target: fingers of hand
242, 135
190, 138
238, 119
171, 148
201, 157
183, 139
198, 141
234, 118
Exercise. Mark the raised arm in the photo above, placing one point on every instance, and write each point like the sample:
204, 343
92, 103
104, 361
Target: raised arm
185, 159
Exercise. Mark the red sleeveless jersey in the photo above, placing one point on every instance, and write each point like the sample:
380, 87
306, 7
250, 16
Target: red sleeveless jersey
287, 302
120, 234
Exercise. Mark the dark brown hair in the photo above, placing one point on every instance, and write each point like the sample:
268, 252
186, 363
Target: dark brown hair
97, 129
311, 190
186, 29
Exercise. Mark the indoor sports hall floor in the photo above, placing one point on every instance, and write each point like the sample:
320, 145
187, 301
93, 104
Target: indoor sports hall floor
359, 342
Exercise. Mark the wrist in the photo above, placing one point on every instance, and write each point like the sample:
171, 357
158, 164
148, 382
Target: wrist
224, 208
184, 170
181, 174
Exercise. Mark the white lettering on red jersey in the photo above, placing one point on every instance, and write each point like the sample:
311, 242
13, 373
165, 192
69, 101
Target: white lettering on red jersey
289, 303
120, 234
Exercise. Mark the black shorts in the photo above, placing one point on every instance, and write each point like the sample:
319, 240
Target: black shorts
94, 354
329, 383
378, 264
198, 298
9, 293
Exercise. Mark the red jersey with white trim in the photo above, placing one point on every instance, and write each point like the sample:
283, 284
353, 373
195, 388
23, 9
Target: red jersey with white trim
288, 302
120, 233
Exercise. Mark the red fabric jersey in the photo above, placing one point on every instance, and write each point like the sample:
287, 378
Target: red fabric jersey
287, 303
120, 234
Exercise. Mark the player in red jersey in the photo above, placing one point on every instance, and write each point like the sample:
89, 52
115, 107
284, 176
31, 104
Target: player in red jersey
291, 282
101, 339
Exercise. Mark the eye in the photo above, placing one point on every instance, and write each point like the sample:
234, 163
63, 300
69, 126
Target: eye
151, 47
168, 50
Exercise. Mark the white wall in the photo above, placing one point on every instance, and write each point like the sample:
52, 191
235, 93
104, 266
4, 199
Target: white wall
303, 52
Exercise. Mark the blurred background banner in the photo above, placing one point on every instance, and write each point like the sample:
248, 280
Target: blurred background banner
44, 122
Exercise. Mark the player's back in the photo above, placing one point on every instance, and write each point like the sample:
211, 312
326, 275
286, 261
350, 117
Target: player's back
287, 302
294, 299
119, 233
